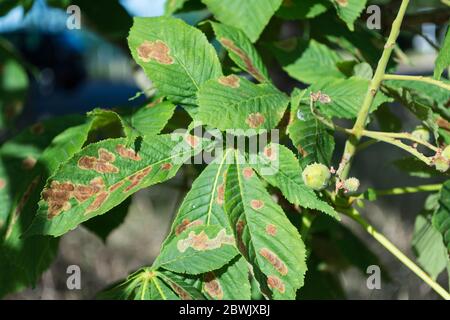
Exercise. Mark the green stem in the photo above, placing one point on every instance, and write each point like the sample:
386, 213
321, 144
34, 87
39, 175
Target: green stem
354, 215
400, 135
404, 190
401, 145
374, 86
419, 79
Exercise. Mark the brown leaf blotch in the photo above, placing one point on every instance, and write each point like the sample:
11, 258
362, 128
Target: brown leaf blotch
191, 140
230, 45
220, 194
37, 129
102, 164
274, 260
116, 185
2, 184
183, 294
257, 204
136, 178
255, 120
271, 230
186, 224
212, 286
276, 283
202, 242
240, 225
302, 151
342, 3
155, 50
231, 81
247, 172
98, 202
127, 153
166, 166
270, 153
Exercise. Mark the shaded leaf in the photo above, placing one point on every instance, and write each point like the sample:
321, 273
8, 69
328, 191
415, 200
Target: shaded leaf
441, 217
302, 9
443, 59
349, 10
251, 16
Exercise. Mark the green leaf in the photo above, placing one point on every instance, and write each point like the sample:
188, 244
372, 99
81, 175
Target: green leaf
441, 217
23, 260
103, 225
429, 248
283, 171
265, 237
151, 119
251, 16
347, 96
236, 103
443, 59
316, 62
174, 55
104, 174
302, 9
241, 51
198, 250
349, 10
312, 139
228, 283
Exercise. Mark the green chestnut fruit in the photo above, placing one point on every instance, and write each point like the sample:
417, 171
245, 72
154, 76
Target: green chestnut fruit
316, 176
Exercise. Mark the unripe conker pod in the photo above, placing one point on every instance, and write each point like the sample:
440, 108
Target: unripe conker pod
316, 176
351, 185
421, 133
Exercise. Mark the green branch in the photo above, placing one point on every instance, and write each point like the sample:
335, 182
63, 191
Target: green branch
355, 216
405, 190
374, 86
419, 79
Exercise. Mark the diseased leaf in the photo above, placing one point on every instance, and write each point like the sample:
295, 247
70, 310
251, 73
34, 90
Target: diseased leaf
251, 16
236, 103
241, 50
265, 237
228, 283
443, 59
198, 250
103, 174
441, 217
312, 139
429, 248
174, 55
279, 166
103, 225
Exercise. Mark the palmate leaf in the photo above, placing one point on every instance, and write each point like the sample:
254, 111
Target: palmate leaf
236, 103
251, 16
266, 238
203, 205
349, 10
175, 56
428, 246
347, 96
441, 217
302, 9
103, 174
312, 139
443, 59
241, 50
279, 166
144, 284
